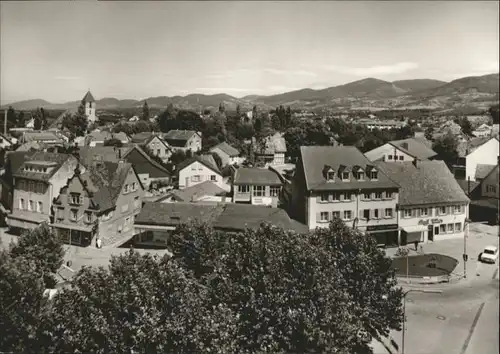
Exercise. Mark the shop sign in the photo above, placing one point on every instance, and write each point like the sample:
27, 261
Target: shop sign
390, 227
433, 221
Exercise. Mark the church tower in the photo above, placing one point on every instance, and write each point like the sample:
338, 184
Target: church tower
89, 103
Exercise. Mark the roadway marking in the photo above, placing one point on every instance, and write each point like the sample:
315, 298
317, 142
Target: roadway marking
471, 331
495, 274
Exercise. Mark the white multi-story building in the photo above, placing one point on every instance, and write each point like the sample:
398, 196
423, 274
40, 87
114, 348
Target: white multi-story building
401, 150
199, 169
432, 205
476, 151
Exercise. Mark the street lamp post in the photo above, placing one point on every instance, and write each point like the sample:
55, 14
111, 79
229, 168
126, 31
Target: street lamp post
429, 291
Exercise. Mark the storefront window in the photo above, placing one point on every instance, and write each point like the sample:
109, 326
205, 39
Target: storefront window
458, 227
442, 228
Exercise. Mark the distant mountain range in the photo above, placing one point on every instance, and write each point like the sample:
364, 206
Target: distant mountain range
370, 93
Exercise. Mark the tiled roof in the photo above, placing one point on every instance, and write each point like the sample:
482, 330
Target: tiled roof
483, 170
207, 160
17, 158
143, 137
147, 165
88, 97
429, 182
41, 136
314, 159
105, 181
226, 148
98, 136
89, 154
467, 147
178, 137
415, 148
32, 145
196, 191
491, 203
56, 158
256, 176
464, 184
230, 217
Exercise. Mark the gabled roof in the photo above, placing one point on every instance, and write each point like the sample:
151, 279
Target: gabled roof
89, 154
429, 182
465, 185
143, 137
149, 166
6, 138
226, 148
228, 217
105, 181
198, 190
468, 147
273, 144
55, 160
206, 160
314, 159
179, 137
414, 148
256, 177
41, 136
483, 170
88, 97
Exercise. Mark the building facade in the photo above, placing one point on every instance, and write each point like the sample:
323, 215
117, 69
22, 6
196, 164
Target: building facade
36, 183
159, 148
257, 186
90, 106
401, 150
340, 182
228, 154
184, 140
199, 169
100, 203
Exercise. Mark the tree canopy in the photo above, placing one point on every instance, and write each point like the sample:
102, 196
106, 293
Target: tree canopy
145, 111
76, 123
446, 147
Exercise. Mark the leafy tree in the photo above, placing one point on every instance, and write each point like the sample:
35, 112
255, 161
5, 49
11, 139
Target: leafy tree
20, 119
238, 110
145, 111
494, 112
43, 118
113, 142
77, 123
446, 147
142, 126
466, 125
21, 303
177, 157
429, 133
142, 304
254, 112
306, 134
37, 119
42, 247
328, 291
404, 132
11, 116
222, 108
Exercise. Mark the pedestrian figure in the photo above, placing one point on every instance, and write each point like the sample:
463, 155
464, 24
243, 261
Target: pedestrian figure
416, 246
98, 243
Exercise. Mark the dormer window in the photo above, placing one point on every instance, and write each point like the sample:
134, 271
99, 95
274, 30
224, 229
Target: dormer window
373, 175
345, 176
330, 176
361, 175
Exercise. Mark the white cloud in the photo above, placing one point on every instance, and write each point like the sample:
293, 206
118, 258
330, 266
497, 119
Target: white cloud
67, 78
397, 68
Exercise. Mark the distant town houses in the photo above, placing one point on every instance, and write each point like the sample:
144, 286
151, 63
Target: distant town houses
473, 152
483, 131
271, 151
198, 169
99, 137
183, 140
340, 182
204, 192
257, 186
402, 150
228, 154
100, 203
37, 181
432, 205
46, 137
155, 144
372, 123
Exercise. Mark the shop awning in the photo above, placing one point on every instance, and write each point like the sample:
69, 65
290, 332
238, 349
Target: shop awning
415, 228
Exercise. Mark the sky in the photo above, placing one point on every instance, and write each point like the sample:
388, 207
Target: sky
58, 50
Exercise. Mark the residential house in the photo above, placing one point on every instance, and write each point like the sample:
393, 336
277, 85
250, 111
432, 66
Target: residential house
257, 186
339, 181
37, 181
202, 192
100, 203
156, 221
154, 143
483, 131
381, 124
401, 150
52, 138
228, 154
271, 151
432, 205
473, 152
98, 138
183, 140
151, 173
199, 169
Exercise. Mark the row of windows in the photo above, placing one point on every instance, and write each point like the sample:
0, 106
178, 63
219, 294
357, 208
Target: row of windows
377, 213
449, 228
31, 205
347, 196
345, 175
129, 188
35, 169
30, 186
491, 188
259, 191
326, 216
443, 210
367, 214
197, 178
396, 157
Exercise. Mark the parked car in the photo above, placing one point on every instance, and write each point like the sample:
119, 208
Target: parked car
489, 255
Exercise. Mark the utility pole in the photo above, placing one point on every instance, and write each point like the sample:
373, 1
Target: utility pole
404, 310
5, 122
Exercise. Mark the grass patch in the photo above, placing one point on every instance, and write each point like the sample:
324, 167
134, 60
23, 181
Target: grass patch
425, 265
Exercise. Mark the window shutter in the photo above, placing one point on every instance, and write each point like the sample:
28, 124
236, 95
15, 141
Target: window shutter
449, 210
330, 197
362, 196
381, 213
341, 196
318, 198
318, 217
